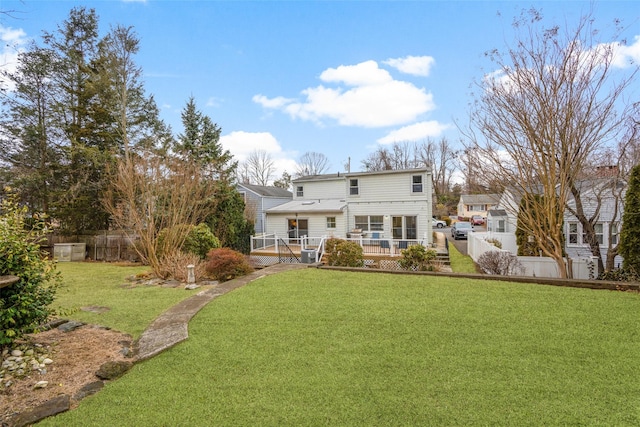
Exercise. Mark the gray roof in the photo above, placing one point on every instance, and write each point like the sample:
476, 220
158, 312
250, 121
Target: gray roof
267, 191
480, 199
497, 212
310, 206
343, 175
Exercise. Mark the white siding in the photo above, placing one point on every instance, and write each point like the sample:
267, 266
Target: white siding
322, 189
317, 224
420, 209
389, 187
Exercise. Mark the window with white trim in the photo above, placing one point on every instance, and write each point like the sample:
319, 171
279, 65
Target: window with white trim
573, 233
353, 187
614, 233
300, 191
599, 229
369, 223
331, 222
416, 184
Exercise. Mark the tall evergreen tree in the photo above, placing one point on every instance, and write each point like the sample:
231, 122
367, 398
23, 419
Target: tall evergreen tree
200, 142
630, 234
30, 141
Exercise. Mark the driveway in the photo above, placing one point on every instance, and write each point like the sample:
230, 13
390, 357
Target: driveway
461, 245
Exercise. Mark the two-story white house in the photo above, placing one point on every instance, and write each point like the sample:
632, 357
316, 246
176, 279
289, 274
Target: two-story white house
393, 205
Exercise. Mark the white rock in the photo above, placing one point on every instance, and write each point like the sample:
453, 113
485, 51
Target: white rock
16, 353
41, 384
47, 361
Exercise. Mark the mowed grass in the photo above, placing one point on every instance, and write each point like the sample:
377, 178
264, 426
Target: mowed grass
312, 347
131, 309
460, 263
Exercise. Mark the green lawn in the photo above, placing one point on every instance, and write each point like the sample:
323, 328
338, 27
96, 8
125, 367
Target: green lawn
313, 347
460, 263
101, 284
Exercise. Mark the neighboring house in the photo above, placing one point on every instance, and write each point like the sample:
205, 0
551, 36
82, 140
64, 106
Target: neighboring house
393, 204
258, 199
597, 198
476, 204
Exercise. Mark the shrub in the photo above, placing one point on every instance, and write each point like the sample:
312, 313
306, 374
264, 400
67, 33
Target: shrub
418, 258
25, 304
199, 239
175, 265
620, 275
501, 263
226, 264
342, 253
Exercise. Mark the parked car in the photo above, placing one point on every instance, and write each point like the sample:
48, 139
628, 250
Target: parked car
460, 230
436, 223
477, 220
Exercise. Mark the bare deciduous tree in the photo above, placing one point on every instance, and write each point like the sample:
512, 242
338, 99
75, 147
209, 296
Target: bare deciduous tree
551, 106
258, 168
312, 163
153, 193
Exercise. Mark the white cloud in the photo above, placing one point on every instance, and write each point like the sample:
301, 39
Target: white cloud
13, 41
414, 132
240, 144
277, 102
371, 98
625, 55
414, 65
363, 74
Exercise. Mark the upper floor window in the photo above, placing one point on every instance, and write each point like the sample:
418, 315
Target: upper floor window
573, 232
353, 187
416, 184
299, 191
599, 234
331, 222
614, 233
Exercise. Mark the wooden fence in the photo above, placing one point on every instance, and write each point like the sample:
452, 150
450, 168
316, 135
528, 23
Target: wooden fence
103, 246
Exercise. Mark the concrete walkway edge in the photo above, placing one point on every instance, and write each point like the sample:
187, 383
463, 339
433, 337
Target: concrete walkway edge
172, 326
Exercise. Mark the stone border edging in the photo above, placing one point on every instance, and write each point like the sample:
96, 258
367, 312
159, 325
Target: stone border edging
573, 283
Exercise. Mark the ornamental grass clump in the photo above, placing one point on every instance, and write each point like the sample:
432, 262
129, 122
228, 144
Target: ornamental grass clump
27, 303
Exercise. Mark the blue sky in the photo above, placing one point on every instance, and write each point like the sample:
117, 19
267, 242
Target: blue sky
338, 78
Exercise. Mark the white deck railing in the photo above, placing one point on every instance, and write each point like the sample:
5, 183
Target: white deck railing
370, 246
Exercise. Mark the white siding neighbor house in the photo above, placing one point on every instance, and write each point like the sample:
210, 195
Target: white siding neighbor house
602, 199
258, 199
376, 205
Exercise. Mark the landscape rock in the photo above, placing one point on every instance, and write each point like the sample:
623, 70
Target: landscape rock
41, 384
113, 369
70, 326
192, 286
47, 409
88, 390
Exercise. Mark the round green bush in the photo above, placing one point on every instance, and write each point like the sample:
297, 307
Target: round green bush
343, 253
199, 239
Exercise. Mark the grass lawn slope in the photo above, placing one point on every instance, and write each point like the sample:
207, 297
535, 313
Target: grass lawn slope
310, 348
